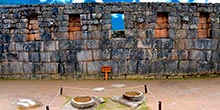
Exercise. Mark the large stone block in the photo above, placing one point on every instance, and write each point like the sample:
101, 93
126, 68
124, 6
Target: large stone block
215, 56
187, 66
64, 44
50, 46
138, 54
143, 66
23, 56
5, 68
206, 44
55, 57
0, 69
131, 33
94, 67
33, 46
13, 56
204, 66
179, 43
34, 57
19, 46
84, 55
92, 44
105, 44
15, 68
179, 54
45, 56
6, 38
120, 54
171, 66
181, 34
216, 33
19, 38
77, 45
200, 55
118, 43
218, 67
82, 67
163, 43
50, 68
101, 54
46, 36
144, 43
122, 66
192, 34
157, 66
190, 44
163, 54
38, 68
28, 68
132, 67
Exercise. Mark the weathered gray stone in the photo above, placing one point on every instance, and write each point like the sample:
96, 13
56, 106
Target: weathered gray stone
84, 55
200, 55
28, 68
94, 67
122, 66
215, 56
23, 56
118, 43
65, 44
187, 66
34, 57
138, 54
157, 66
92, 44
144, 43
19, 46
55, 57
15, 68
171, 66
132, 67
38, 68
77, 45
33, 46
50, 46
206, 44
19, 38
121, 54
45, 56
101, 54
12, 56
192, 34
181, 34
50, 68
131, 33
163, 43
190, 44
143, 66
204, 66
105, 44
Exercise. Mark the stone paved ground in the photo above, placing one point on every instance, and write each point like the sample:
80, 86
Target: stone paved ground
191, 94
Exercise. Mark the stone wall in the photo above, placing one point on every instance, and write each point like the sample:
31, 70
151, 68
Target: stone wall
52, 41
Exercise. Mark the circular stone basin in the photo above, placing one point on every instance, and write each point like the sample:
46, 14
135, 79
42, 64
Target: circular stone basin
133, 95
82, 102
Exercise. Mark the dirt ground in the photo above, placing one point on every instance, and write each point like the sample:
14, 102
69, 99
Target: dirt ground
190, 94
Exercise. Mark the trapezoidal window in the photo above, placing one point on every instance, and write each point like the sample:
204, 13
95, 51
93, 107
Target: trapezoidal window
204, 25
33, 28
161, 30
74, 25
117, 22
